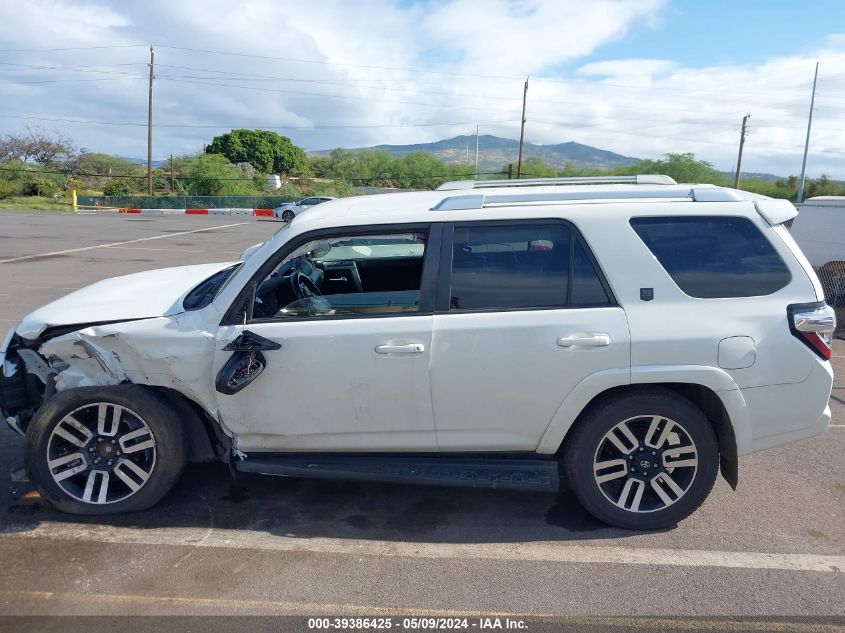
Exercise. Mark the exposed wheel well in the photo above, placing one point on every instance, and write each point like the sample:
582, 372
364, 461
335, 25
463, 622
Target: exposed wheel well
206, 442
707, 402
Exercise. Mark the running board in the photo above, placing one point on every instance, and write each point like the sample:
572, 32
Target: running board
474, 472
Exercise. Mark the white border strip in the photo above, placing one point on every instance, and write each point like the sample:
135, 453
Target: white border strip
555, 552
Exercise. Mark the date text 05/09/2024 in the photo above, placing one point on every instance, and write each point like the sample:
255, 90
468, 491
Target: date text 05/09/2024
416, 623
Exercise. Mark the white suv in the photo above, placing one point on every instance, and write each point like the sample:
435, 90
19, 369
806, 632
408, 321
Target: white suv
629, 335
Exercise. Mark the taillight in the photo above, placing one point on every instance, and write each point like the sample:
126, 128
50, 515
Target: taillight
813, 324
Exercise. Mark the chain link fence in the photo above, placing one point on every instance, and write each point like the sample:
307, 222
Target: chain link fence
186, 202
267, 201
832, 276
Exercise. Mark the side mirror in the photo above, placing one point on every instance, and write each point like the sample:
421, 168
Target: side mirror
321, 248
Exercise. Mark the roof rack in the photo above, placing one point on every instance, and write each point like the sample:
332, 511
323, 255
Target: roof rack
641, 179
694, 193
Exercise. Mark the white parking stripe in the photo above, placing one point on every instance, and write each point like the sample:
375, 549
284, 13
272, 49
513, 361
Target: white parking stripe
554, 552
110, 244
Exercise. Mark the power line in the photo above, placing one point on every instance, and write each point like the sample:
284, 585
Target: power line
82, 67
440, 72
558, 123
69, 48
251, 126
327, 63
59, 81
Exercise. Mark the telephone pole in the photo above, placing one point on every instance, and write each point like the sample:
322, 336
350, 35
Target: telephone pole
476, 152
807, 142
150, 127
172, 179
522, 130
741, 145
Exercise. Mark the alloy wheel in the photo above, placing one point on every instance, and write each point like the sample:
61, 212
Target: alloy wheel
101, 453
645, 463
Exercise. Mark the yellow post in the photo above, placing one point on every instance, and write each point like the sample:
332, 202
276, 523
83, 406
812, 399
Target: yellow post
73, 200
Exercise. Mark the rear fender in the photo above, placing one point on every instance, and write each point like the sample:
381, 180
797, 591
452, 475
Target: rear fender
717, 380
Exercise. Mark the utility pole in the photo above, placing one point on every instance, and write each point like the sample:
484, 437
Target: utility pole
150, 127
522, 130
476, 152
741, 145
807, 142
510, 171
172, 180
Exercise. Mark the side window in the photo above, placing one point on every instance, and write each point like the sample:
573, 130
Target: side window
710, 256
346, 275
586, 287
501, 267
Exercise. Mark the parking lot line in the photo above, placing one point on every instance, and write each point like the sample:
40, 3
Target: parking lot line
111, 244
539, 552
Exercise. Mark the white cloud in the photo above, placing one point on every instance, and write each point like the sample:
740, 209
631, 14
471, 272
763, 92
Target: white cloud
373, 54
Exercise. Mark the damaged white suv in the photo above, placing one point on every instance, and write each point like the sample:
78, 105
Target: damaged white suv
629, 334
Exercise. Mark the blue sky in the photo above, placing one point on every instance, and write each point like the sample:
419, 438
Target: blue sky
638, 77
710, 32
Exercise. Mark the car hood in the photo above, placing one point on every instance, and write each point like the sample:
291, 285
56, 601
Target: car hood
138, 296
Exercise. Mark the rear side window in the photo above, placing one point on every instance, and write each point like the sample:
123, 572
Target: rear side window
714, 257
521, 266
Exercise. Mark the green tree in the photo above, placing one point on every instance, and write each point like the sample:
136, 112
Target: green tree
266, 151
213, 175
683, 168
534, 167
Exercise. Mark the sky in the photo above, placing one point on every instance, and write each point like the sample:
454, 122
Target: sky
637, 77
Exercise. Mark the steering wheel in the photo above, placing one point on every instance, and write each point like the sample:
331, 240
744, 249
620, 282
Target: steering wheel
303, 286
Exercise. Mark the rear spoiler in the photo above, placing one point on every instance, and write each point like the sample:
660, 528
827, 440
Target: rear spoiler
775, 210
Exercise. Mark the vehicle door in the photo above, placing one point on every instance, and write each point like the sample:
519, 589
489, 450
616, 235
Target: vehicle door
343, 321
523, 315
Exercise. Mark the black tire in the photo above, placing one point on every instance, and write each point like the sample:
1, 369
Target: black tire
170, 450
288, 215
585, 440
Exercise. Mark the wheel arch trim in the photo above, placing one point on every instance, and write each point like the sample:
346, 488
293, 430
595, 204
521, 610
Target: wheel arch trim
712, 379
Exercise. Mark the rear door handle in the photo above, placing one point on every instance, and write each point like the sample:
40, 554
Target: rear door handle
410, 348
596, 339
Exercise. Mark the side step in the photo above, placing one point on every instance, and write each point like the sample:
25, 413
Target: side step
471, 471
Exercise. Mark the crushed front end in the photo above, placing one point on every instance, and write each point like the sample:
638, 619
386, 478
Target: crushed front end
26, 380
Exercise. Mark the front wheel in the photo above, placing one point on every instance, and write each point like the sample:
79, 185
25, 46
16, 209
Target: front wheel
642, 461
105, 450
288, 216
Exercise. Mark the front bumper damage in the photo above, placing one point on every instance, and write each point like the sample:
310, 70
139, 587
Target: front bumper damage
23, 387
167, 352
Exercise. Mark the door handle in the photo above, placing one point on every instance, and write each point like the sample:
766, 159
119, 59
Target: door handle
410, 348
596, 339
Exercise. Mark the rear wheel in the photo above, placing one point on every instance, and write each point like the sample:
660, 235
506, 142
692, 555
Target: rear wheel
642, 460
105, 450
288, 215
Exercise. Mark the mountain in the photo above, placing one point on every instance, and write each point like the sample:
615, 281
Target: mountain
495, 151
143, 161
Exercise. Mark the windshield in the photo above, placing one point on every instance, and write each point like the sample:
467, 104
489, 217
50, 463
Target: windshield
204, 292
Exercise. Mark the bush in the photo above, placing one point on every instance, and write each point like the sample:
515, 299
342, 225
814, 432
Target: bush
119, 187
7, 189
40, 186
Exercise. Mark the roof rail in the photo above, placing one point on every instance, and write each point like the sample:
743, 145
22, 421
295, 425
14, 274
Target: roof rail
694, 193
641, 179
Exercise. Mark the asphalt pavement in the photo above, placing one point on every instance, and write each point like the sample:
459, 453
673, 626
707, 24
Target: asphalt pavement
775, 548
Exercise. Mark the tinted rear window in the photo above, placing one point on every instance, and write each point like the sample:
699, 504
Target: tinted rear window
711, 257
501, 267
